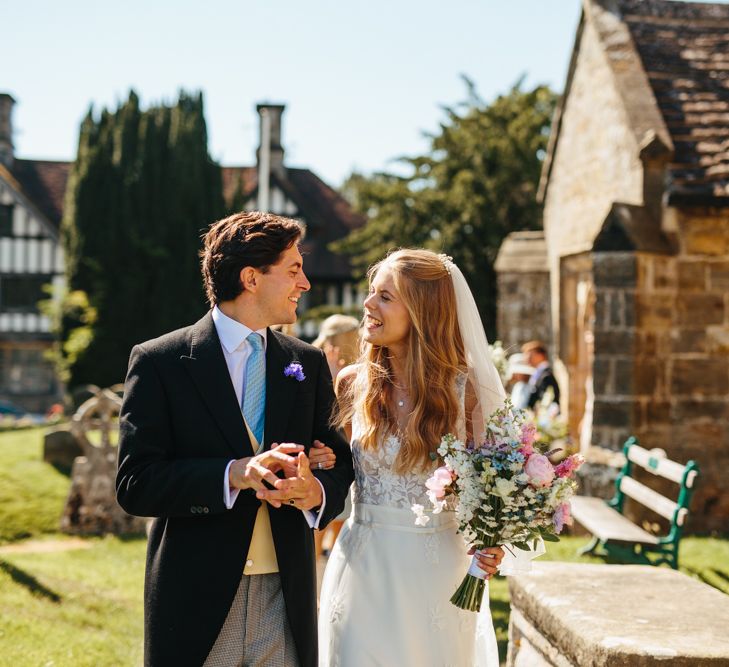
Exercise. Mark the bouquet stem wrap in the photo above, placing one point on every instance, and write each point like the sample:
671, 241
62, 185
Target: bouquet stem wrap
469, 595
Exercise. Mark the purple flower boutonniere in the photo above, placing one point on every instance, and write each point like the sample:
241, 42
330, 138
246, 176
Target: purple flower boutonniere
295, 370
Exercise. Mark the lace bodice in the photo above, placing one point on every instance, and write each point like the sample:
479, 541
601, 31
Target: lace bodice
375, 479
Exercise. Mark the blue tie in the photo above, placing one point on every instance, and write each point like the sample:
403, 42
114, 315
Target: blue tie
254, 399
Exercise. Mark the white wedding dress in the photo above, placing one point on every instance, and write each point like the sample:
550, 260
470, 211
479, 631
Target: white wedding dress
385, 598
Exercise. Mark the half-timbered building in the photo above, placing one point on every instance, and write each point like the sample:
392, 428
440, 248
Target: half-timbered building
31, 256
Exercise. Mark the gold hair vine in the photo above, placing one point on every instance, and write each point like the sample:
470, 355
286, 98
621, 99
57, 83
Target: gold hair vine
446, 260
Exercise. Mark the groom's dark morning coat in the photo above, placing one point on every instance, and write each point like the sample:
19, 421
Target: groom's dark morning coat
180, 426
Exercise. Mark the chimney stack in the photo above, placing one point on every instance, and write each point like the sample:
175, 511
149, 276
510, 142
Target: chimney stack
271, 114
6, 130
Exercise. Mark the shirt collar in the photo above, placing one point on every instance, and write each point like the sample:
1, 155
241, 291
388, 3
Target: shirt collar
231, 332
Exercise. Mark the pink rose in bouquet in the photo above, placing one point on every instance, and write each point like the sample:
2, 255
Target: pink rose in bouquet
539, 470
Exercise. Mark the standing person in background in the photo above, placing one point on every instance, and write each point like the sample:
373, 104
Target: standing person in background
543, 378
339, 339
519, 374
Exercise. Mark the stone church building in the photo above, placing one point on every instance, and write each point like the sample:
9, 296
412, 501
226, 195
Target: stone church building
31, 207
635, 248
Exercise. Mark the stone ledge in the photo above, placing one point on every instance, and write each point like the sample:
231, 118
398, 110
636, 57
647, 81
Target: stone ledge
628, 615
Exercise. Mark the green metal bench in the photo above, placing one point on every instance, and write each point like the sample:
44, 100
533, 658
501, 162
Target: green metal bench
614, 535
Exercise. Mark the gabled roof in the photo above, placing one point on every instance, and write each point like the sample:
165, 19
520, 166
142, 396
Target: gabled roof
523, 252
629, 228
43, 182
670, 62
684, 48
234, 179
327, 214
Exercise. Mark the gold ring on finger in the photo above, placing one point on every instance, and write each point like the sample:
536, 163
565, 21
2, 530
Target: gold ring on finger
292, 501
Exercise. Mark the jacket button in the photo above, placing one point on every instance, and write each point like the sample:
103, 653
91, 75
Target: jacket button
249, 563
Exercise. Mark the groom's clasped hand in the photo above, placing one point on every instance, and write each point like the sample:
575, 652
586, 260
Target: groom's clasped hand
298, 487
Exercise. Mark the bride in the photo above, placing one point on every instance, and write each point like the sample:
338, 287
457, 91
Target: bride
424, 372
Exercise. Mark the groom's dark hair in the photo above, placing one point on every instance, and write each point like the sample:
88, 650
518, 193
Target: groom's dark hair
244, 239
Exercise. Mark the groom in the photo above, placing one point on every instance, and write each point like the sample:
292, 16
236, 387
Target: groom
215, 426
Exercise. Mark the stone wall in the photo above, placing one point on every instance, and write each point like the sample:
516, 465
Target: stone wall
523, 311
661, 369
683, 314
617, 407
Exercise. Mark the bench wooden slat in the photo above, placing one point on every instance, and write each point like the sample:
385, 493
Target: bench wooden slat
655, 461
648, 497
607, 524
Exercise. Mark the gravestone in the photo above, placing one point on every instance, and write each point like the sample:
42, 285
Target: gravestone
91, 507
60, 447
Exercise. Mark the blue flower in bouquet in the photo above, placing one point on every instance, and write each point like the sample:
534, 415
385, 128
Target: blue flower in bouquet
516, 457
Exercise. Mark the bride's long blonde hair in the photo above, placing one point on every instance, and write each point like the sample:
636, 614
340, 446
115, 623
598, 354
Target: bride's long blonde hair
435, 357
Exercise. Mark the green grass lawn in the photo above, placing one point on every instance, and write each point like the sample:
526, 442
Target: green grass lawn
80, 607
32, 493
84, 607
65, 607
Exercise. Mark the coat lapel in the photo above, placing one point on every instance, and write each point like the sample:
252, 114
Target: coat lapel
207, 367
280, 390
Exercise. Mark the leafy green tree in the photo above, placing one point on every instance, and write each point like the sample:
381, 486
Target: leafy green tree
69, 313
141, 191
476, 184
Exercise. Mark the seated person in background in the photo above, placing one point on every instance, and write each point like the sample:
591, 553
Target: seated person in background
543, 378
519, 373
339, 340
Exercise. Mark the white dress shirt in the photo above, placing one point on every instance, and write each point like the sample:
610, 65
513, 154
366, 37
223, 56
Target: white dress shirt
236, 350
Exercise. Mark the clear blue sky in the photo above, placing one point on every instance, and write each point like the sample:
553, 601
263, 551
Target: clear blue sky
361, 80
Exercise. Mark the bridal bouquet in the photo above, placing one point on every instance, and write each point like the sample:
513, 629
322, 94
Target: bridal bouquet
506, 491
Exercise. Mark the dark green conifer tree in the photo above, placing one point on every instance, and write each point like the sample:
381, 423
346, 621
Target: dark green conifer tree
141, 192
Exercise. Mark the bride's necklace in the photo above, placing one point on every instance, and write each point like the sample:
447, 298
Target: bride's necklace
401, 402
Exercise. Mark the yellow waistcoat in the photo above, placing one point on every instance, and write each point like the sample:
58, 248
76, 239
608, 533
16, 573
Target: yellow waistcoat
261, 558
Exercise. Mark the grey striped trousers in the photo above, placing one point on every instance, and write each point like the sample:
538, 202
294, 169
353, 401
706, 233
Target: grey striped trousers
256, 632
